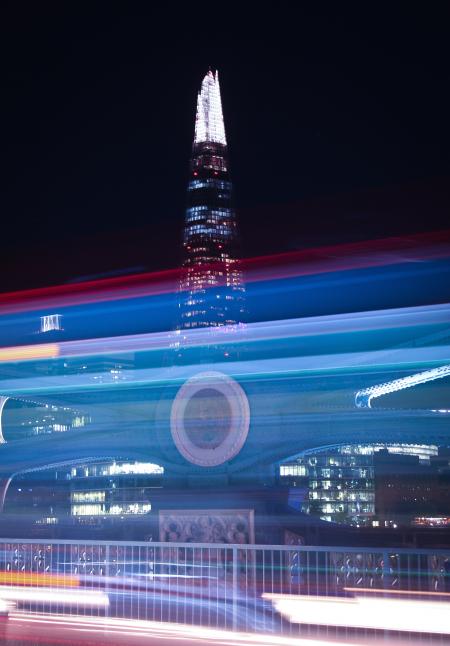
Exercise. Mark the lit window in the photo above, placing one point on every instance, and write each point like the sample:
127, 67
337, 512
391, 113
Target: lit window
88, 496
209, 183
88, 510
51, 322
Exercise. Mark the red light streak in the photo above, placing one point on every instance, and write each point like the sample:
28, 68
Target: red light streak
320, 260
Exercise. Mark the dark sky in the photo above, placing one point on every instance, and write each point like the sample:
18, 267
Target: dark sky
337, 123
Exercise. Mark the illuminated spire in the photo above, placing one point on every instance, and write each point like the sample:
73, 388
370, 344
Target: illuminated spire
209, 120
211, 288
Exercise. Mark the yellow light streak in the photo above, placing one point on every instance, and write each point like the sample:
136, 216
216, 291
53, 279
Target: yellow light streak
29, 352
37, 579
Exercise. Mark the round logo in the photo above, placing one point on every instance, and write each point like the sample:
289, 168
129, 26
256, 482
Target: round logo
209, 419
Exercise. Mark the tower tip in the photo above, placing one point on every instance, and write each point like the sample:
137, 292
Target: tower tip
209, 125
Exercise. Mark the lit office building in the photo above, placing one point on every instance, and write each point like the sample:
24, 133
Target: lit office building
86, 494
112, 489
343, 484
211, 288
335, 485
21, 419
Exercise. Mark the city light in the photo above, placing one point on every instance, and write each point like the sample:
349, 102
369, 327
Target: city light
61, 596
363, 398
29, 352
366, 612
209, 126
202, 454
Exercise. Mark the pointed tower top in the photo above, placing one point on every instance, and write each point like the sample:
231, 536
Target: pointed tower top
209, 124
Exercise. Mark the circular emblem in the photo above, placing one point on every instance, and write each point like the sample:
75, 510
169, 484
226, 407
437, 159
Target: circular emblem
209, 419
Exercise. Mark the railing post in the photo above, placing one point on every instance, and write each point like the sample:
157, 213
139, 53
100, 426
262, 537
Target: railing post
386, 570
107, 575
235, 587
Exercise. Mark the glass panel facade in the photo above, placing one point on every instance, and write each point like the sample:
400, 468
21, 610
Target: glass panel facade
211, 290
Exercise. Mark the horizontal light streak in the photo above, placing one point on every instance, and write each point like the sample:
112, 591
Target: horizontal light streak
374, 613
82, 597
357, 363
400, 318
39, 579
373, 253
264, 331
395, 592
29, 352
164, 630
363, 398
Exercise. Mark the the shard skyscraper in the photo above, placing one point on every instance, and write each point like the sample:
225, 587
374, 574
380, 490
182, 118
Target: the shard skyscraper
211, 288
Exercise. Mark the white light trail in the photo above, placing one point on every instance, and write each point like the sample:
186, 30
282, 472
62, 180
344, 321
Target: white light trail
3, 401
401, 318
81, 597
172, 632
363, 398
375, 613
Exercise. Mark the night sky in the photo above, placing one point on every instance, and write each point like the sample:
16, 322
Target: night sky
337, 124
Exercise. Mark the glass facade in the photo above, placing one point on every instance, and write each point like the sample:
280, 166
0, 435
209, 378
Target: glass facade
338, 484
211, 289
347, 485
112, 489
22, 419
341, 486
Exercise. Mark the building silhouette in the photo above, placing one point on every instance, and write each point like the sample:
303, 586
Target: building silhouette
211, 288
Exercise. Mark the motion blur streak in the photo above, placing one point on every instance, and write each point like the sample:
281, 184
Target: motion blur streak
85, 598
29, 352
322, 260
392, 592
364, 397
154, 631
376, 613
261, 331
34, 578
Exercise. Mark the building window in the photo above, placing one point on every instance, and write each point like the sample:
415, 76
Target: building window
51, 322
88, 510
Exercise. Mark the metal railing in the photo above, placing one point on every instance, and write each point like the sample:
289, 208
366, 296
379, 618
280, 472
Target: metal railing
217, 585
